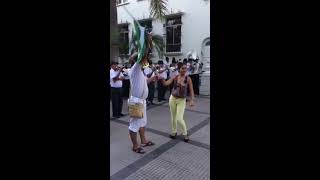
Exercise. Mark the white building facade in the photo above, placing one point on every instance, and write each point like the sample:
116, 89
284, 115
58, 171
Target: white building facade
185, 28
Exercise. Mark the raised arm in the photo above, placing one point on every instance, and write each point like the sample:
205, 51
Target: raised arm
168, 82
191, 90
162, 70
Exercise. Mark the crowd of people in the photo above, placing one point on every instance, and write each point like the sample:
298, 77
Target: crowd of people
165, 69
180, 78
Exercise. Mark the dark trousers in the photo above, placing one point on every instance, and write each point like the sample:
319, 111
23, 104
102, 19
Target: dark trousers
117, 101
151, 92
125, 88
196, 84
161, 91
188, 90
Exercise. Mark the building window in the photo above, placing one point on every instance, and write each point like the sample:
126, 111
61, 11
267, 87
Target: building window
123, 40
147, 24
121, 2
173, 34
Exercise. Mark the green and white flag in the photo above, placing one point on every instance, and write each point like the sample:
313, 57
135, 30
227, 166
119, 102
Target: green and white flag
139, 39
138, 35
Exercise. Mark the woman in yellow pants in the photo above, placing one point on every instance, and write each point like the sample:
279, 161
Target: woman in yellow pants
177, 101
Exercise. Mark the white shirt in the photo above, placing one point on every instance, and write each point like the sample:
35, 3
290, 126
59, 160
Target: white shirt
138, 82
118, 83
148, 71
126, 73
174, 73
189, 70
166, 63
196, 68
188, 65
163, 74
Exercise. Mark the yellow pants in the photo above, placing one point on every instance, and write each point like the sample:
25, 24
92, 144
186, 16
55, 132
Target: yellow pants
177, 107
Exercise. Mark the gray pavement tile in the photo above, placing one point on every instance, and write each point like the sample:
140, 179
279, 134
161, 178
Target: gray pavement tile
205, 85
202, 135
121, 154
163, 120
182, 161
201, 105
132, 168
159, 119
167, 159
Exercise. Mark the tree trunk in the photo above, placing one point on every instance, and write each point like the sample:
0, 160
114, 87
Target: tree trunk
114, 44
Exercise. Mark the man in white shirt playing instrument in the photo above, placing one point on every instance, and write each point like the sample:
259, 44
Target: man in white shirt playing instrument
196, 79
173, 72
116, 78
163, 73
149, 72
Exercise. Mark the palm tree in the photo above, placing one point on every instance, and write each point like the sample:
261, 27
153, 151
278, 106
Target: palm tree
114, 43
158, 10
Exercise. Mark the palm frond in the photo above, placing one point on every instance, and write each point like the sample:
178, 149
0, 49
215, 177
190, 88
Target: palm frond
158, 43
132, 45
114, 37
158, 8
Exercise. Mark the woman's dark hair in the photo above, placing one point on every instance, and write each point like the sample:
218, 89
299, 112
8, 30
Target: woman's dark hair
180, 64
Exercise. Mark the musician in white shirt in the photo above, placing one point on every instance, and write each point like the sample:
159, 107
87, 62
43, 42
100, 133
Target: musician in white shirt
166, 62
173, 72
116, 78
163, 73
189, 66
196, 76
149, 73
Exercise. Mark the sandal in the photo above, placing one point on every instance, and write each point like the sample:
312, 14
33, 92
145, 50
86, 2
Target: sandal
186, 139
173, 137
150, 143
139, 150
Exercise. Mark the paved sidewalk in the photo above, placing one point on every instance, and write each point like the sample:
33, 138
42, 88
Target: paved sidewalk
168, 159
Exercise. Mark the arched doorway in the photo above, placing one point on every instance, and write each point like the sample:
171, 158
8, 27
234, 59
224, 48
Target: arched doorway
205, 53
